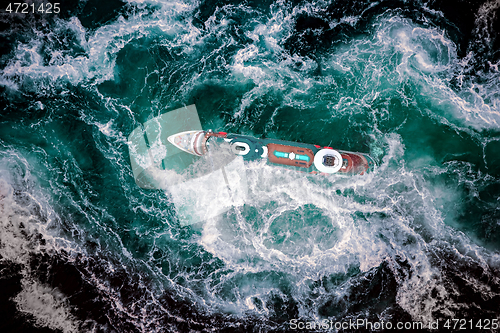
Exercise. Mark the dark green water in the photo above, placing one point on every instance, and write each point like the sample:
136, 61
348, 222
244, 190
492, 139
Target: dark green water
414, 84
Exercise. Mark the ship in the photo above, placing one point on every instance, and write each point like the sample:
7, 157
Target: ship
304, 157
173, 153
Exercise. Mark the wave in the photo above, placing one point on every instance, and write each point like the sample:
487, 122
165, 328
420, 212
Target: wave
401, 81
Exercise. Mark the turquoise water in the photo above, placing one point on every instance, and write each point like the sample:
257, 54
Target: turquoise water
416, 86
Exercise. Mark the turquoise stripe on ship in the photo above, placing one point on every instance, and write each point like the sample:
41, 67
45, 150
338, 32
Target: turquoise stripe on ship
286, 155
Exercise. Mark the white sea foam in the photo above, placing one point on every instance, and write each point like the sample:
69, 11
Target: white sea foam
47, 306
400, 51
101, 47
28, 65
20, 225
398, 220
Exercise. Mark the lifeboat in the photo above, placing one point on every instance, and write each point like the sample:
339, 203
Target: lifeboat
300, 156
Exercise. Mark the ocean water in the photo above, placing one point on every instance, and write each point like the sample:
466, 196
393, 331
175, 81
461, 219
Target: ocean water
416, 84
